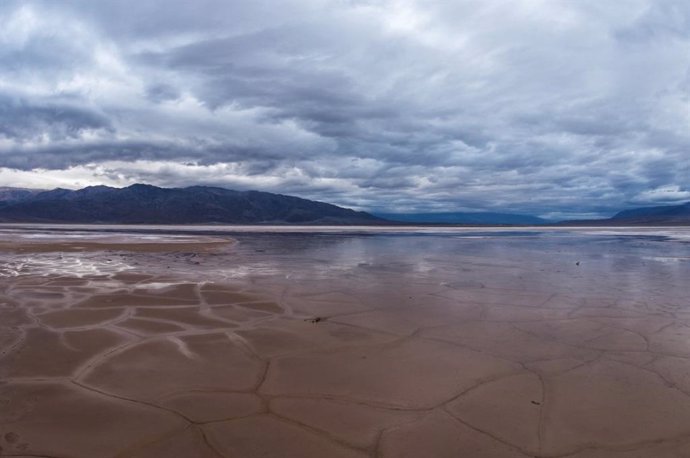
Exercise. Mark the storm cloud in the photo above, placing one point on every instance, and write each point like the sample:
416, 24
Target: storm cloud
556, 108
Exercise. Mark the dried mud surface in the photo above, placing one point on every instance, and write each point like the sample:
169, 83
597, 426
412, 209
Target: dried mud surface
519, 345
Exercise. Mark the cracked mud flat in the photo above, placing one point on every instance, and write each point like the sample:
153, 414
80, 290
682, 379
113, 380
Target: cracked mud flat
460, 343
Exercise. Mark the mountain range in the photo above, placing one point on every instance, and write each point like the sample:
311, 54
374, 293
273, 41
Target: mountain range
15, 194
673, 214
664, 215
146, 204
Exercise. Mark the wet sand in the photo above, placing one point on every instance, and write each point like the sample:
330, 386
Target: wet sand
474, 344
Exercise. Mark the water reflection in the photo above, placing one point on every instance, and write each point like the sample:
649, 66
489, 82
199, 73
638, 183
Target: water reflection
566, 261
642, 264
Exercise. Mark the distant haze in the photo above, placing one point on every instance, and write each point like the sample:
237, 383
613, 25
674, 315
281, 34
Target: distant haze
558, 108
463, 218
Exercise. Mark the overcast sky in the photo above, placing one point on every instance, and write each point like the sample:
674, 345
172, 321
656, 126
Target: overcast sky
557, 108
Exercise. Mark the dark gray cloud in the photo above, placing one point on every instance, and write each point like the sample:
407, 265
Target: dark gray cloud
550, 107
25, 120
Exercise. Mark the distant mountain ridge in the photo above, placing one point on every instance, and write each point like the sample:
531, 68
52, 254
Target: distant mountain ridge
146, 204
665, 215
668, 214
463, 218
8, 194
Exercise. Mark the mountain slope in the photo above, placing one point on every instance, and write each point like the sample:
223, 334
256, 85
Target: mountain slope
668, 215
141, 203
15, 194
462, 218
672, 214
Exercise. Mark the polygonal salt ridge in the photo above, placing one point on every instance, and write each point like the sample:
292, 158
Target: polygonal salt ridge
154, 368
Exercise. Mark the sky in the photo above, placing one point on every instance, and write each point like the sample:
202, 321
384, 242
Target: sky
564, 109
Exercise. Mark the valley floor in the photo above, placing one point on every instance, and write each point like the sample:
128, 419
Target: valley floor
504, 343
